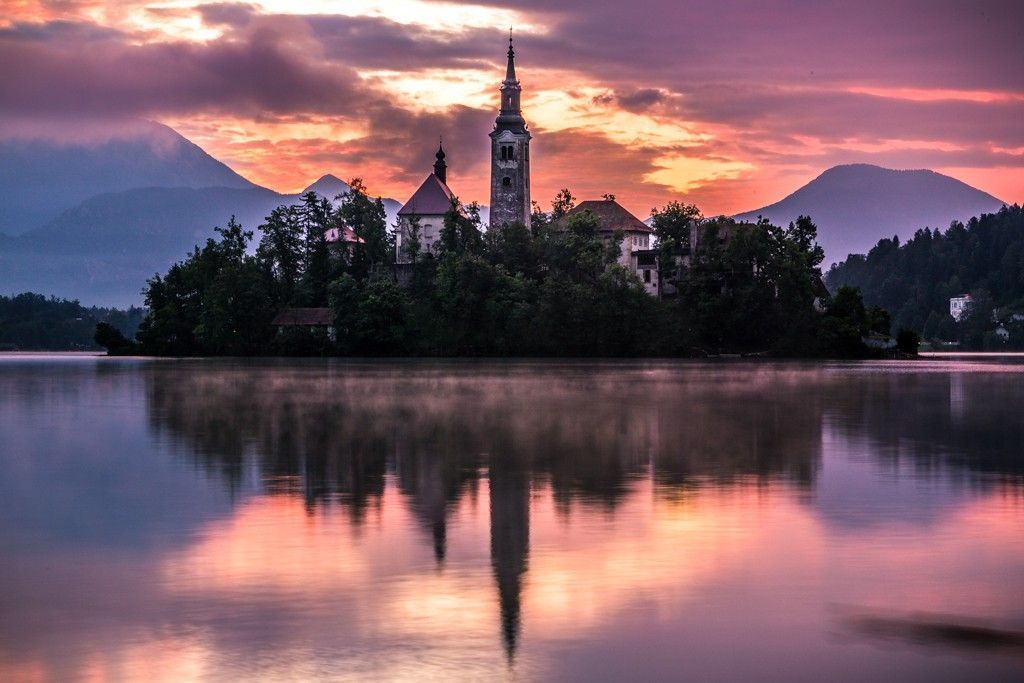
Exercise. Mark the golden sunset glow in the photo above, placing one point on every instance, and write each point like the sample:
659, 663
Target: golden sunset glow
616, 106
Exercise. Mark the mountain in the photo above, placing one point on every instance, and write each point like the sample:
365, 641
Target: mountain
856, 205
40, 177
103, 250
329, 186
333, 188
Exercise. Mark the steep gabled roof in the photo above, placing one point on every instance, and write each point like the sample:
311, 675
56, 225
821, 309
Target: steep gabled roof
611, 216
434, 198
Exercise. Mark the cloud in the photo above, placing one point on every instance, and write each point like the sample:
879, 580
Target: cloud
273, 67
233, 14
778, 90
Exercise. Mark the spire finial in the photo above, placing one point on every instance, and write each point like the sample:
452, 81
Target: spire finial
510, 72
440, 167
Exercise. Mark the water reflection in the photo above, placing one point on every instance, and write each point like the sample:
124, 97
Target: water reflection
546, 520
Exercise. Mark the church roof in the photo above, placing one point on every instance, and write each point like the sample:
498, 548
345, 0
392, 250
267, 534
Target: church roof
434, 198
611, 216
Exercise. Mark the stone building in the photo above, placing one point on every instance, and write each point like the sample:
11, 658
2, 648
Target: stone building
637, 253
425, 209
510, 155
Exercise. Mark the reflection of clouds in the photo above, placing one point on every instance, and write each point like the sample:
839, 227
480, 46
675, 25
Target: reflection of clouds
423, 519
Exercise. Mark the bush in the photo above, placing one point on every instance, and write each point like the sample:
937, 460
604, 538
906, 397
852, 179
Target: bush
908, 341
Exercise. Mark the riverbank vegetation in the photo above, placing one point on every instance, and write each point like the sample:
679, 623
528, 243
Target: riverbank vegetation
554, 289
983, 258
34, 322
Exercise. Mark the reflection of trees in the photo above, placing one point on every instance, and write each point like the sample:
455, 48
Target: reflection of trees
965, 422
332, 435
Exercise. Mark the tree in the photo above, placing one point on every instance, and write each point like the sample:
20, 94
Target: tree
367, 219
281, 252
461, 231
916, 279
672, 225
977, 320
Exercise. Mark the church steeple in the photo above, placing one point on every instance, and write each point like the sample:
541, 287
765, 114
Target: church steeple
440, 167
510, 116
510, 71
510, 154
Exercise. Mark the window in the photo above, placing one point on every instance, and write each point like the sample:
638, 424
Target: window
647, 276
506, 181
511, 152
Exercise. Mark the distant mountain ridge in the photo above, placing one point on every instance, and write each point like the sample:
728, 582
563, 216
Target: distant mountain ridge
40, 178
101, 248
855, 205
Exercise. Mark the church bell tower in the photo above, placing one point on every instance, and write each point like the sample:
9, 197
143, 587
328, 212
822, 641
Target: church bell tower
510, 155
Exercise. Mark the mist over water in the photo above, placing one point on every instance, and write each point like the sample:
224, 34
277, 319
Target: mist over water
164, 520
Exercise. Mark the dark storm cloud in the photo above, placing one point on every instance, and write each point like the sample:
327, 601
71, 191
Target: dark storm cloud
271, 68
376, 43
639, 100
227, 13
919, 43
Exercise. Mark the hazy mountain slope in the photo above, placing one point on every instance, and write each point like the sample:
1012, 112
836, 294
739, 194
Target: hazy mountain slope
331, 187
856, 205
40, 178
103, 250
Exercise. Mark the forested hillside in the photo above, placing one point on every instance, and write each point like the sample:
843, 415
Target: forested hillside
553, 289
33, 322
915, 280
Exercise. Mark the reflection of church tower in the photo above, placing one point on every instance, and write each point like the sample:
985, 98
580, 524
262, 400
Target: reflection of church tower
510, 155
510, 543
422, 478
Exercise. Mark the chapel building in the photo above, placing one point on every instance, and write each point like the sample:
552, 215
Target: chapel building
425, 211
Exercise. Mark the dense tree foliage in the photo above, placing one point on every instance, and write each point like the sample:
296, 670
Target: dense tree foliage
915, 280
555, 289
33, 322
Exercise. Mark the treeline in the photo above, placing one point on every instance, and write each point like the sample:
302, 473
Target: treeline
552, 290
33, 322
915, 280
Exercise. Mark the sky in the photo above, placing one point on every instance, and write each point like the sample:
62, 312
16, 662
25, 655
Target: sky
728, 104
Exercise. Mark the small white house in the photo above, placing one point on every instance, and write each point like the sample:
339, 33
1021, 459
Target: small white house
958, 306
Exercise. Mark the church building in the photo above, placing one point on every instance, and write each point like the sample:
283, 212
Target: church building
425, 209
510, 155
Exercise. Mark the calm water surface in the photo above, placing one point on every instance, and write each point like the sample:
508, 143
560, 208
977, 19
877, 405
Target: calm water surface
169, 520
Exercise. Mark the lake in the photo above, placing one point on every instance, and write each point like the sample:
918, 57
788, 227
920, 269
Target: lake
295, 520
